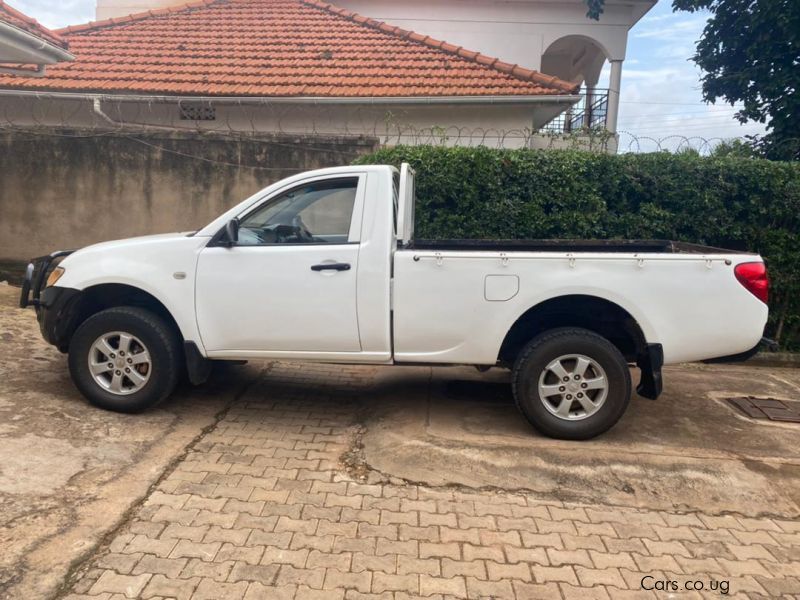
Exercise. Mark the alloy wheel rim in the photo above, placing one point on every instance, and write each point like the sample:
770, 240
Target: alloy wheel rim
120, 363
573, 387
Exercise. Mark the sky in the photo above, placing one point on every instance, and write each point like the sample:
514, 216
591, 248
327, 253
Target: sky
661, 91
660, 102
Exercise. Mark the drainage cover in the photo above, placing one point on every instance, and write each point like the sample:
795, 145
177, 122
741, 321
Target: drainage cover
772, 409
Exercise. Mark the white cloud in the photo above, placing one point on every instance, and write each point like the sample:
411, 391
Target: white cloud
658, 75
675, 29
57, 14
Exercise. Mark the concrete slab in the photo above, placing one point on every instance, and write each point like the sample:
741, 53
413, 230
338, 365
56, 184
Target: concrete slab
688, 450
69, 472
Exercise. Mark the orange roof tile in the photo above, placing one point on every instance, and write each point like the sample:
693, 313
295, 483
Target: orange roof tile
13, 17
275, 48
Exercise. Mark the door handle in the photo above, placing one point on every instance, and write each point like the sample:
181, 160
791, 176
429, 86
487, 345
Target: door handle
331, 267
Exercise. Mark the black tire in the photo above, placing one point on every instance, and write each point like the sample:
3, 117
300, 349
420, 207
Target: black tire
533, 361
158, 337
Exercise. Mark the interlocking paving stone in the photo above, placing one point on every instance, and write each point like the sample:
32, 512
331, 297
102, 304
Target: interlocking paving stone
262, 508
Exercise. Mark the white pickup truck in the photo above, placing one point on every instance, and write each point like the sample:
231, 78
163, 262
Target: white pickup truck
323, 266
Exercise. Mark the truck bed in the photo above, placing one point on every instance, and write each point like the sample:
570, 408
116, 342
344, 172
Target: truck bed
554, 245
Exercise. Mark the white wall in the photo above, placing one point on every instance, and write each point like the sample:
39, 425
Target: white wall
516, 32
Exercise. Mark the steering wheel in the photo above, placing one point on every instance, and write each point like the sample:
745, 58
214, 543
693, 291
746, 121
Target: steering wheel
302, 231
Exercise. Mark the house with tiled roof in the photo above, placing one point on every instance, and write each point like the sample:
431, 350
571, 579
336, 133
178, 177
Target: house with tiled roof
554, 37
26, 46
300, 67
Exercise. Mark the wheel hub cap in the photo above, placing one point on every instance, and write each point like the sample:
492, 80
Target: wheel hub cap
120, 363
573, 387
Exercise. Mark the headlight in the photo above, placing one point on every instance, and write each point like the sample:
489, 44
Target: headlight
54, 276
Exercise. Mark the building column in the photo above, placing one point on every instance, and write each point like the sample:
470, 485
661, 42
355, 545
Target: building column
615, 82
591, 75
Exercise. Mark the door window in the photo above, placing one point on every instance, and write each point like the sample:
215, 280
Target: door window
314, 213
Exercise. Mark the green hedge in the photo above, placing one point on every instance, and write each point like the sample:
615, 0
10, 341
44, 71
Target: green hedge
735, 203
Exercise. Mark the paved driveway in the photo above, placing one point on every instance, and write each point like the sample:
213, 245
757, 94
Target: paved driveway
282, 481
68, 473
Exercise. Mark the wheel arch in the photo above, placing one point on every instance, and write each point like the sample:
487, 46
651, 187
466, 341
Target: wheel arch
96, 298
595, 313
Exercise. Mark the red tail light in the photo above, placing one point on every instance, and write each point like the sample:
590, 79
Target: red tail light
753, 276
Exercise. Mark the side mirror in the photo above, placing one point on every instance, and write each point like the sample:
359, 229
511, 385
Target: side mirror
232, 231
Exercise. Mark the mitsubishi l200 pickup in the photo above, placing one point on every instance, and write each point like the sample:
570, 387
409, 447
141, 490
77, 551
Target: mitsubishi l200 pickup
323, 266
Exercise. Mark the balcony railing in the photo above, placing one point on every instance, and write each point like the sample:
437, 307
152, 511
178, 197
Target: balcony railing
590, 112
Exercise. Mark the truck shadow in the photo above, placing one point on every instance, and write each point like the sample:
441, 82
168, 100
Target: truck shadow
487, 392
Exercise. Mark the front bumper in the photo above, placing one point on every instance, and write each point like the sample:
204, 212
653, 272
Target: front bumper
36, 275
55, 306
56, 312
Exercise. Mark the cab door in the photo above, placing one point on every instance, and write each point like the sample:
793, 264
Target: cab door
288, 285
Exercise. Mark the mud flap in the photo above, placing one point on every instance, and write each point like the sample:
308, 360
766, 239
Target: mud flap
198, 367
650, 363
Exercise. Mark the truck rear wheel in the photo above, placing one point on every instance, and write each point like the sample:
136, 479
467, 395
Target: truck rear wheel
571, 383
125, 359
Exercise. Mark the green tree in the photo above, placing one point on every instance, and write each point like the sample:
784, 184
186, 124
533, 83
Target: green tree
734, 148
749, 52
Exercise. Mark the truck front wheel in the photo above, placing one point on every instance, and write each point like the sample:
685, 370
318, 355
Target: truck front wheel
571, 383
125, 359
